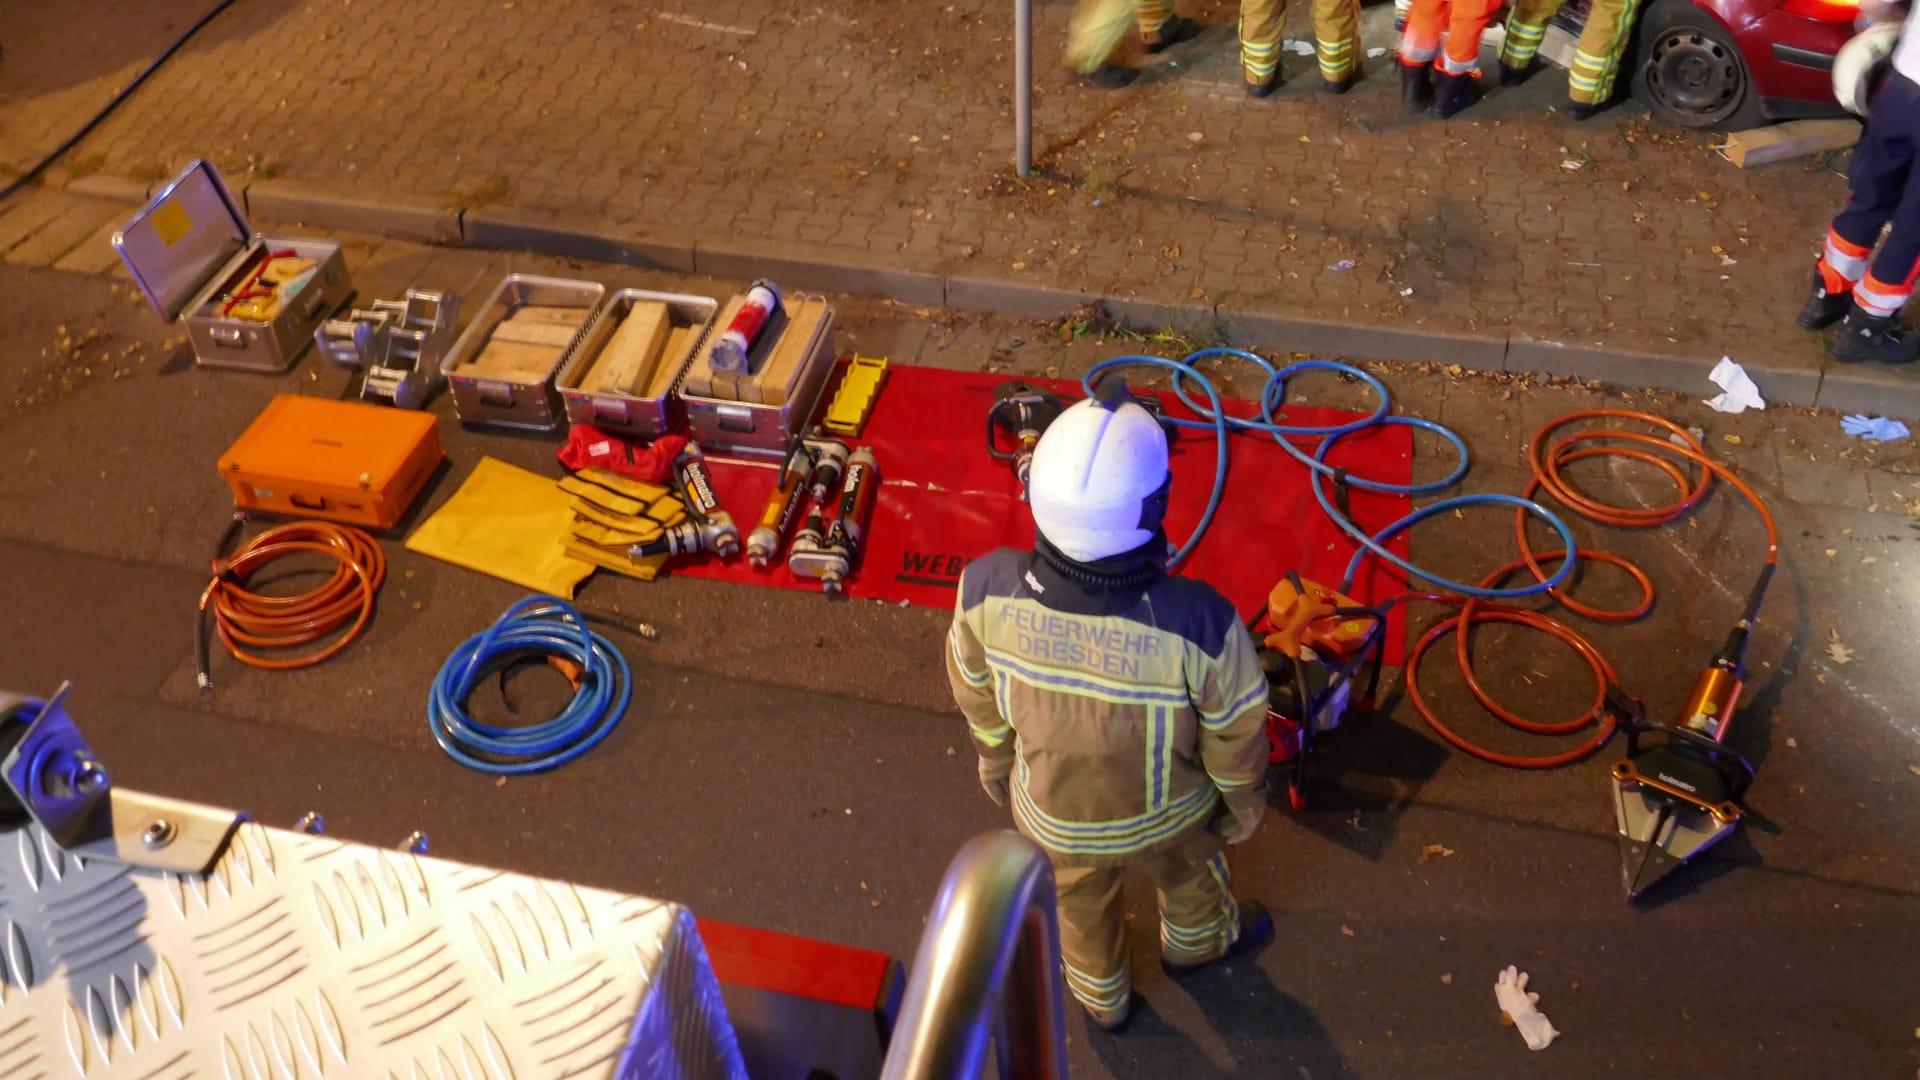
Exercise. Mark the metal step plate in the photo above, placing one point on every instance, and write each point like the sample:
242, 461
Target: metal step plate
305, 956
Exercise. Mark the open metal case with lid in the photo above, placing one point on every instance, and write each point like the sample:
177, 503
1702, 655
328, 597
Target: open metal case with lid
192, 246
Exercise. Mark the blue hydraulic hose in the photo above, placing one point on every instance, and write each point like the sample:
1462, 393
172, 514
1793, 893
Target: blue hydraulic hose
538, 624
1272, 395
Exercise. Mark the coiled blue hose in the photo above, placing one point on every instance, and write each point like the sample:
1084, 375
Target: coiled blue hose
539, 624
1214, 418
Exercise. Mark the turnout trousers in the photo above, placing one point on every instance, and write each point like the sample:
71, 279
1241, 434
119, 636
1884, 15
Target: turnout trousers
1336, 32
1198, 921
1596, 60
1884, 190
1097, 26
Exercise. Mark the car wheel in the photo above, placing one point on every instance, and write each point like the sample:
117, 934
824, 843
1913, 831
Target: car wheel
1688, 70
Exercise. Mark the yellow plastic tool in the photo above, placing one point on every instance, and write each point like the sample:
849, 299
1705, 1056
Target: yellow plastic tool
853, 402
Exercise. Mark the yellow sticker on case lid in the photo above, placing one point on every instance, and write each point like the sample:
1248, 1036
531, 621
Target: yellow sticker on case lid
171, 223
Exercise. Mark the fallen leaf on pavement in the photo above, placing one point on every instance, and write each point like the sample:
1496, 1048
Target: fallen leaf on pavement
1837, 649
1915, 770
1431, 850
1448, 980
1347, 930
1831, 552
1733, 439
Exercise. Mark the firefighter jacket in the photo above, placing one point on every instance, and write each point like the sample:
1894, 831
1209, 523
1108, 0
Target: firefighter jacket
1123, 704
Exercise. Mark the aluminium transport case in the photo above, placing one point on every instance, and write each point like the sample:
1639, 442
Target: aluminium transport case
643, 413
530, 402
720, 425
193, 242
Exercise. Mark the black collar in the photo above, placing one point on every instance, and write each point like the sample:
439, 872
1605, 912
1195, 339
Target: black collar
1128, 571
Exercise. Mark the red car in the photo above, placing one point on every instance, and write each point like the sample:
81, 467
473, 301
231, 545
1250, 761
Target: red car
1734, 64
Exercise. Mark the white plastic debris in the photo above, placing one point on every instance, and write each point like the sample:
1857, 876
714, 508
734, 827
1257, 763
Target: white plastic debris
1299, 48
1376, 53
1510, 990
1740, 392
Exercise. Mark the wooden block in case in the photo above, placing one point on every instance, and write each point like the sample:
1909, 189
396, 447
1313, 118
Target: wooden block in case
632, 351
774, 382
308, 457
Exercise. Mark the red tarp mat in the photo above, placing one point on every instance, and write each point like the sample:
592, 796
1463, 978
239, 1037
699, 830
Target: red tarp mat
943, 501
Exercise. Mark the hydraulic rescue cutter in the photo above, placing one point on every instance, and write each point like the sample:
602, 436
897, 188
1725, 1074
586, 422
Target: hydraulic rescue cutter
1023, 412
1317, 646
1678, 790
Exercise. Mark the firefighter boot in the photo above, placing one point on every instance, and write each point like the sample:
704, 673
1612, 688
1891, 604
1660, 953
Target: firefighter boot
1416, 86
1513, 76
1256, 929
1823, 308
1865, 337
1172, 32
1452, 93
1113, 76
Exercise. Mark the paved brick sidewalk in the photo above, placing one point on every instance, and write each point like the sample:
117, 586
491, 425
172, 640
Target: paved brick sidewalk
880, 134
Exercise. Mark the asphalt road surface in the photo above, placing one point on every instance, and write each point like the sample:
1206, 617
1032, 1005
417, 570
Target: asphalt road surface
794, 764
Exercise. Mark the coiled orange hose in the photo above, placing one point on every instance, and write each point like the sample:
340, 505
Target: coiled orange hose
248, 621
1547, 464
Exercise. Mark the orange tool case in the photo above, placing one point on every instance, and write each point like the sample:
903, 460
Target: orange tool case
310, 457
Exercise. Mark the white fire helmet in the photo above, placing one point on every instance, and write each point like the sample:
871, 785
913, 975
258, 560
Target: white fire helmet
1099, 479
1862, 65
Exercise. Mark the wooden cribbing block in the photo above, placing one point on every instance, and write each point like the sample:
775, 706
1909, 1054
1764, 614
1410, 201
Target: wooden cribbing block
630, 354
773, 385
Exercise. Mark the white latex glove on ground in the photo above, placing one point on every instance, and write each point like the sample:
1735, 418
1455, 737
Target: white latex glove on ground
1510, 990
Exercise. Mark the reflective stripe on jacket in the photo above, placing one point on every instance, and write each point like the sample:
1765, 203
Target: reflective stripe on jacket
1122, 716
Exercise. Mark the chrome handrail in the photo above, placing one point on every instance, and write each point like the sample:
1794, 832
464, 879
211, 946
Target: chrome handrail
992, 940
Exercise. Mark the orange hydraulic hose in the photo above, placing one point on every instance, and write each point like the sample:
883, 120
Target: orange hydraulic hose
248, 621
1547, 467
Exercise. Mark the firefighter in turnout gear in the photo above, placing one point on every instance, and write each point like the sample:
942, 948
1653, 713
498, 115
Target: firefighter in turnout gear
1120, 710
1850, 281
1596, 59
1336, 32
1458, 84
1096, 27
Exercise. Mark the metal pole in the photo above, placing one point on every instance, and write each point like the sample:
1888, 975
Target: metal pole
1023, 86
992, 942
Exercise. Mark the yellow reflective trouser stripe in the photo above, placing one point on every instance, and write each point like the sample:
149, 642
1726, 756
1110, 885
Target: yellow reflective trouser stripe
1596, 62
1522, 44
1336, 58
1197, 942
1151, 15
1102, 995
1230, 911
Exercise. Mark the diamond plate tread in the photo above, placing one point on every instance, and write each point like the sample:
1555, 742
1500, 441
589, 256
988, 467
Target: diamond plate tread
305, 956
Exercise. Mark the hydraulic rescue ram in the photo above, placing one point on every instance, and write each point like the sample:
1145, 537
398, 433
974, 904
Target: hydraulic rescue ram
709, 528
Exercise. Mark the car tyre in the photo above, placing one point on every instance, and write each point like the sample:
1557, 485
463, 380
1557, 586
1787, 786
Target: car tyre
1689, 71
